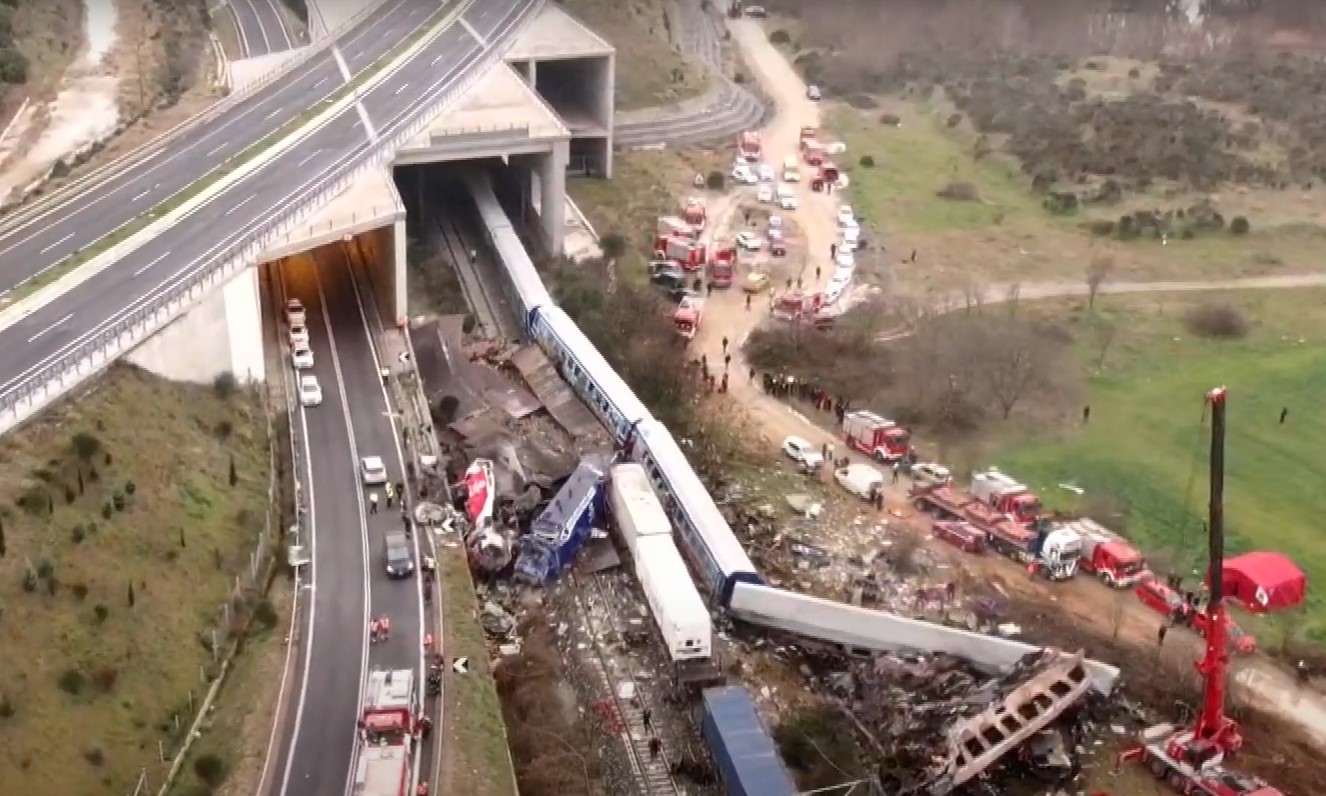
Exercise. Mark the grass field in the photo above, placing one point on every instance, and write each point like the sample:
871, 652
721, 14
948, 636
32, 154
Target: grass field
121, 538
1008, 237
1145, 446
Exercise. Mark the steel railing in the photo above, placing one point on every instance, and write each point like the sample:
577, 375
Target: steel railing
115, 336
25, 213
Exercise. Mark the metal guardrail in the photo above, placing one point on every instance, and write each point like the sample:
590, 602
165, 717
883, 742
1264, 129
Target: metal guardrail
133, 324
25, 213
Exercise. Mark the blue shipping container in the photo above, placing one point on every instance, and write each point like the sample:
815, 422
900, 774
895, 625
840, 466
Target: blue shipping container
747, 760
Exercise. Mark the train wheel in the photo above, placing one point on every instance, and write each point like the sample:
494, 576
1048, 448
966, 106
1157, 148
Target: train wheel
1179, 783
1157, 766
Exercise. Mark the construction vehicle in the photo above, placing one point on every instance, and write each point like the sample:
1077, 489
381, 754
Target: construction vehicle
877, 437
1053, 550
1177, 610
694, 213
686, 318
722, 265
1007, 496
386, 735
1192, 759
1108, 555
749, 146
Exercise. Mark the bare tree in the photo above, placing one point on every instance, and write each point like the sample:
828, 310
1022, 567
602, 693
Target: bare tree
1103, 332
1012, 360
1098, 270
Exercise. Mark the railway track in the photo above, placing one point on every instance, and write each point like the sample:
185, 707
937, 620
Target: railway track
457, 240
614, 673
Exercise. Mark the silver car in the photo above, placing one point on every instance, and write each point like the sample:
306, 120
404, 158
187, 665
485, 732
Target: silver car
373, 471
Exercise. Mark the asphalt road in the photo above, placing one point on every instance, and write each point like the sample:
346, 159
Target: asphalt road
171, 258
47, 240
261, 27
319, 738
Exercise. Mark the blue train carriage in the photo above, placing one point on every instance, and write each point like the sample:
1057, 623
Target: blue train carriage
588, 373
706, 539
743, 750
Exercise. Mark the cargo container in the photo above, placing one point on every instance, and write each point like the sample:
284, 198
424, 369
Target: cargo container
743, 750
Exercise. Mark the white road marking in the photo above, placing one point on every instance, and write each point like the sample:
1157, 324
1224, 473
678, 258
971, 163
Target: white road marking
464, 23
149, 265
435, 60
308, 157
141, 195
320, 82
240, 204
402, 88
49, 328
273, 113
216, 149
57, 243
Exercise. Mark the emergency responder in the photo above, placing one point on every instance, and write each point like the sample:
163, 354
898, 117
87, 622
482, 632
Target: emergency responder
1304, 671
372, 502
391, 492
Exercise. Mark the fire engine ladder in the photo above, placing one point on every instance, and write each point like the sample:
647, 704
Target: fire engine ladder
979, 741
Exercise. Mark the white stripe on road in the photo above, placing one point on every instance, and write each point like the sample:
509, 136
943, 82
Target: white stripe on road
240, 204
49, 328
402, 88
149, 265
308, 157
57, 243
470, 29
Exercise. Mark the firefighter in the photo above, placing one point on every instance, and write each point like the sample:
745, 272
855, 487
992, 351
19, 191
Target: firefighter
391, 493
386, 375
425, 727
384, 626
748, 302
1304, 672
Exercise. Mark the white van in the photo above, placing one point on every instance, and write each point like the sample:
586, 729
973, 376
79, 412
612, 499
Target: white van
791, 169
787, 198
849, 238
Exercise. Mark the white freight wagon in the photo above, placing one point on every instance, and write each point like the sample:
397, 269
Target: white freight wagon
678, 611
635, 506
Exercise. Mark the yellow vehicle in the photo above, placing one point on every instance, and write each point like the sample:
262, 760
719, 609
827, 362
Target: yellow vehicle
756, 282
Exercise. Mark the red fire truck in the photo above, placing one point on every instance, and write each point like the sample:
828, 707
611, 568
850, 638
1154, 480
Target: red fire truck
386, 735
879, 438
722, 265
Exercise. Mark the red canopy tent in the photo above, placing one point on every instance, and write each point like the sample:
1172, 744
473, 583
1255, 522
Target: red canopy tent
1264, 582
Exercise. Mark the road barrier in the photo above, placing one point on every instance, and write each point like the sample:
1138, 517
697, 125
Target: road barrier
62, 195
135, 323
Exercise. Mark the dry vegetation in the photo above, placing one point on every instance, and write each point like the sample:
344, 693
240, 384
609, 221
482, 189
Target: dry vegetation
1068, 123
38, 41
123, 528
651, 70
554, 745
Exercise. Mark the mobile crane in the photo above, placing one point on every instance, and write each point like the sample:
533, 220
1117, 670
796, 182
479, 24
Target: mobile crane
1191, 760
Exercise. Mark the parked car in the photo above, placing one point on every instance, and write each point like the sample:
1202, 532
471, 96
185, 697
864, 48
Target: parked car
748, 241
803, 453
671, 277
679, 294
846, 216
813, 93
372, 471
302, 357
756, 282
744, 174
765, 193
298, 335
310, 392
766, 173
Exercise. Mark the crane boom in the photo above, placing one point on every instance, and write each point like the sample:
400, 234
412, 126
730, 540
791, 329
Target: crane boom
1213, 725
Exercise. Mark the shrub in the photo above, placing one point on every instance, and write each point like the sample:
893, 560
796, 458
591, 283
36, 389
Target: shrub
715, 181
107, 510
34, 499
233, 476
890, 120
101, 612
225, 385
444, 413
105, 678
960, 192
613, 245
1238, 225
468, 323
7, 709
13, 66
210, 768
72, 682
130, 487
85, 445
79, 590
119, 500
69, 494
223, 429
1217, 321
264, 613
953, 120
867, 161
30, 579
94, 755
45, 569
77, 534
780, 36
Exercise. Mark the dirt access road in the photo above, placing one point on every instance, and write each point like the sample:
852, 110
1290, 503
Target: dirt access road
1258, 680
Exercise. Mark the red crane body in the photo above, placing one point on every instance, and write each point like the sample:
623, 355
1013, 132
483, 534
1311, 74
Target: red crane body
1191, 760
